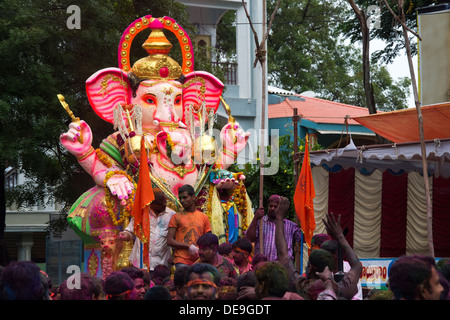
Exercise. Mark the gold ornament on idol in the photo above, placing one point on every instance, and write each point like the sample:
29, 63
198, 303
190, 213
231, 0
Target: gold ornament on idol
63, 102
157, 64
230, 120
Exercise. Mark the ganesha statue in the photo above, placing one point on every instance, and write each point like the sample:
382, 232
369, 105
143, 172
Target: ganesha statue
167, 111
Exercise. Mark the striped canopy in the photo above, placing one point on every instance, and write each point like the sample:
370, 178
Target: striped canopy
380, 195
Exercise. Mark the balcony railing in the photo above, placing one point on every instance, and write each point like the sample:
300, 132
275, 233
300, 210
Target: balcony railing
229, 69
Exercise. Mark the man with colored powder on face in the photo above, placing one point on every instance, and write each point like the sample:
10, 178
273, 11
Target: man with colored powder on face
138, 277
120, 286
415, 277
208, 244
292, 231
202, 280
242, 250
185, 227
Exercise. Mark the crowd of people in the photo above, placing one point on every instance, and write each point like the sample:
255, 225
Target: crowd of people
200, 268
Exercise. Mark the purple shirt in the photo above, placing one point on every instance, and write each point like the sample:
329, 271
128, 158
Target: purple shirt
292, 233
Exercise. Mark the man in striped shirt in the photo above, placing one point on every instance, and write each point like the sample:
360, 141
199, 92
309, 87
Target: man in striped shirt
292, 231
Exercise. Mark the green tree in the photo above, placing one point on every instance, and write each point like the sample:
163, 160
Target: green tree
39, 59
226, 37
347, 84
300, 37
307, 51
390, 94
389, 29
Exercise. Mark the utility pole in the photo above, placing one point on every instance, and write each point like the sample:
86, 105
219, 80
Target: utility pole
261, 57
296, 160
401, 19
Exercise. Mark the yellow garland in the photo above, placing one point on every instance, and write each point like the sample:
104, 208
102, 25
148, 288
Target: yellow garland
109, 202
104, 159
240, 200
209, 200
170, 142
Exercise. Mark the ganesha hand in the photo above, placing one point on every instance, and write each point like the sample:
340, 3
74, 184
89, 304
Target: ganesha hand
120, 186
70, 139
230, 183
233, 137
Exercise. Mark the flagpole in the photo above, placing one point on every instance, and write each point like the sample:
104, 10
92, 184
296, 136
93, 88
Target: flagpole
141, 256
263, 122
301, 252
298, 257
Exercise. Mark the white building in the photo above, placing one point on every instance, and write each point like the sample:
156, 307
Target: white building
244, 95
25, 230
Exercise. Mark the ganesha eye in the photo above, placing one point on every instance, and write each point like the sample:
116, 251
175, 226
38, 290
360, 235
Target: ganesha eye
178, 100
150, 100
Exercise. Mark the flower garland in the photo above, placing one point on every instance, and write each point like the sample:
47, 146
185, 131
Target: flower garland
169, 146
104, 159
240, 199
126, 210
209, 200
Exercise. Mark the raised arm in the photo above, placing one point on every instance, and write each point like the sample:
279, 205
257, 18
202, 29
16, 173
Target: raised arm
280, 240
83, 150
251, 230
334, 229
347, 287
118, 184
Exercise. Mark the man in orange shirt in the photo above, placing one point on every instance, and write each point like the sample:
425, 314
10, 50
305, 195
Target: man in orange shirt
185, 227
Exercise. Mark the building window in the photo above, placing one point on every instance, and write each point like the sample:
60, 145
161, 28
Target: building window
11, 179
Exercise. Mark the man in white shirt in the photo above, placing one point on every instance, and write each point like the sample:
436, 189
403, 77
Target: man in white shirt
159, 251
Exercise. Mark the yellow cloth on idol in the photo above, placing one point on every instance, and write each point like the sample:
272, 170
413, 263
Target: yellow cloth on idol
216, 217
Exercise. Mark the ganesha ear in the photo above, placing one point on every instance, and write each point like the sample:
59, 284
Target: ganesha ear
202, 86
106, 89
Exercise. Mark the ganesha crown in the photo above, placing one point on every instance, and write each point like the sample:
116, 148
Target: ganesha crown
157, 65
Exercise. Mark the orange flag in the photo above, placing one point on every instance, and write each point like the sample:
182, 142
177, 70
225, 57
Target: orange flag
303, 198
143, 197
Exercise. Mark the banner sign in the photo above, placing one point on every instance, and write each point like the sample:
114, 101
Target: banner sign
375, 272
